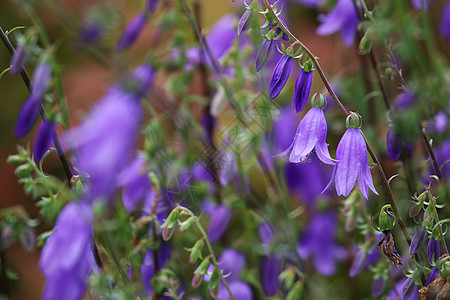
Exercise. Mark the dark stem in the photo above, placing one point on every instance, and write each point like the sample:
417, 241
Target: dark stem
431, 152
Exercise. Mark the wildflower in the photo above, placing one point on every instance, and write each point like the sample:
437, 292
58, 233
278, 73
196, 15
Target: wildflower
90, 32
265, 51
311, 134
418, 240
30, 109
378, 285
269, 272
394, 143
342, 18
351, 156
444, 25
432, 276
131, 33
363, 258
150, 6
302, 89
148, 267
284, 127
221, 37
19, 59
244, 22
220, 219
265, 233
397, 290
66, 258
43, 139
319, 241
280, 76
433, 250
409, 287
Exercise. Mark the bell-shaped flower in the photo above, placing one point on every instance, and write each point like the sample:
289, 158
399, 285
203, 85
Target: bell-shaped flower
66, 259
245, 22
148, 267
43, 139
342, 18
150, 6
432, 276
269, 272
264, 53
19, 59
433, 250
351, 156
132, 32
318, 241
302, 89
418, 240
378, 285
280, 76
311, 134
30, 109
444, 25
220, 218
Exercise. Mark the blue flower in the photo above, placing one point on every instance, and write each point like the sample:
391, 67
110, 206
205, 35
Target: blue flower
302, 89
444, 25
131, 33
342, 18
311, 134
351, 156
66, 259
148, 267
43, 139
280, 76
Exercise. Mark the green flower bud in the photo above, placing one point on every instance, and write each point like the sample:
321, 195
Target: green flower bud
203, 267
23, 170
353, 120
319, 101
186, 224
214, 280
196, 251
171, 219
197, 280
296, 291
214, 292
16, 159
167, 233
365, 45
385, 222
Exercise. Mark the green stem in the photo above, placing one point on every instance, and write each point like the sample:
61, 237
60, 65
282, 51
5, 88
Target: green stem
441, 233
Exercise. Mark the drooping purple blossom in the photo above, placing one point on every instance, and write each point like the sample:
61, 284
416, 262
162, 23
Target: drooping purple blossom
394, 143
221, 37
148, 267
66, 259
132, 32
378, 285
302, 89
408, 289
397, 290
343, 18
363, 259
284, 128
311, 134
19, 59
442, 153
432, 276
421, 4
404, 100
43, 139
208, 123
444, 25
220, 219
318, 241
264, 53
269, 272
265, 233
244, 22
150, 6
433, 250
351, 156
30, 109
280, 76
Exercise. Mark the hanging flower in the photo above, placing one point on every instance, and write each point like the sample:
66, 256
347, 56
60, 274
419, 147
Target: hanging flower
244, 22
43, 139
302, 89
265, 51
131, 33
280, 76
351, 156
311, 134
433, 250
19, 59
220, 218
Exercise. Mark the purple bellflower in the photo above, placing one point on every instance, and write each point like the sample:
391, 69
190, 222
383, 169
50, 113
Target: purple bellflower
378, 285
284, 127
30, 109
148, 268
398, 290
418, 240
433, 250
432, 276
351, 156
318, 241
66, 259
265, 51
342, 18
245, 22
311, 134
444, 25
265, 233
394, 142
19, 59
280, 76
220, 218
105, 141
150, 6
302, 89
132, 32
409, 288
43, 139
222, 36
269, 272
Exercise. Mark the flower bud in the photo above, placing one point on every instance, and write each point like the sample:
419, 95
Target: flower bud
214, 280
19, 59
280, 76
196, 251
432, 276
365, 45
214, 292
414, 210
16, 159
132, 32
197, 280
245, 22
394, 144
7, 236
187, 224
385, 222
353, 120
203, 267
28, 240
296, 291
408, 288
43, 139
302, 89
418, 240
265, 51
167, 233
433, 250
23, 171
171, 219
359, 263
378, 285
150, 6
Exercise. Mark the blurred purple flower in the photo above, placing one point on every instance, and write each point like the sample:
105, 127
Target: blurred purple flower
302, 89
421, 4
396, 292
220, 219
90, 32
150, 6
433, 250
244, 22
66, 258
239, 289
394, 142
284, 127
319, 241
378, 285
269, 272
148, 267
351, 156
19, 59
311, 134
404, 100
444, 25
309, 3
265, 51
280, 76
222, 36
43, 139
208, 122
442, 153
363, 259
342, 18
132, 31
265, 233
30, 109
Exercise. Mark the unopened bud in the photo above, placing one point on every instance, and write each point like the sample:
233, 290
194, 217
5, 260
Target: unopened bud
167, 233
196, 251
296, 291
197, 280
353, 120
171, 219
214, 292
23, 170
203, 267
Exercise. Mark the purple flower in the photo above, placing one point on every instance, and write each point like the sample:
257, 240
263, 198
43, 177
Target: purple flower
309, 3
220, 219
30, 109
378, 285
351, 156
244, 22
131, 33
302, 89
208, 122
239, 289
265, 233
311, 134
420, 4
280, 76
318, 241
359, 262
394, 142
404, 100
418, 240
66, 258
409, 287
148, 267
43, 139
442, 153
284, 127
19, 59
270, 270
432, 276
397, 290
150, 6
90, 32
433, 250
265, 51
221, 37
444, 25
342, 18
